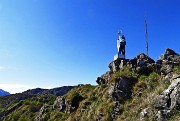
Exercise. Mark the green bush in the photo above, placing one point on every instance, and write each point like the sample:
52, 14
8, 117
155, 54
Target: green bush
126, 72
153, 76
143, 77
153, 80
75, 99
176, 69
149, 82
33, 108
14, 117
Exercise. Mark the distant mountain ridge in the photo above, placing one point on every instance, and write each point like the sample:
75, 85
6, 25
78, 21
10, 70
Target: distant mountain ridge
42, 94
3, 93
59, 91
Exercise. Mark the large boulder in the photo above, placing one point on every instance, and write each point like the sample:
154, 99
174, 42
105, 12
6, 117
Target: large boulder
121, 90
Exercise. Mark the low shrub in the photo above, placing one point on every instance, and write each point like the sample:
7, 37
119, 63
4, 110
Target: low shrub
176, 69
127, 72
75, 99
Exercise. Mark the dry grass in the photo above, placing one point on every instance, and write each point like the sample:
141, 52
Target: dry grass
133, 107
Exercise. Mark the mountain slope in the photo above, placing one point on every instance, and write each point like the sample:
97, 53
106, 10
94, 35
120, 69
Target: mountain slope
34, 98
134, 89
3, 93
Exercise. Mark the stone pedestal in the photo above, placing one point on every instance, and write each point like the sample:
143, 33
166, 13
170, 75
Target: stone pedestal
119, 56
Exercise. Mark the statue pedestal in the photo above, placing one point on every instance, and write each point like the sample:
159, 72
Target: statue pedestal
120, 56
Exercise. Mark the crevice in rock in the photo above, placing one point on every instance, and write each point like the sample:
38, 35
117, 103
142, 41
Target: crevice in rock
169, 98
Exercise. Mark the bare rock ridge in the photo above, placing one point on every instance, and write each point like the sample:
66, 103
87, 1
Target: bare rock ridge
141, 63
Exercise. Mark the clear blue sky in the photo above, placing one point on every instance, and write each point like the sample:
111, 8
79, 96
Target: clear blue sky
51, 43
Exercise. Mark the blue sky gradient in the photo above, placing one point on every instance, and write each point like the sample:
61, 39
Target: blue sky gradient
51, 43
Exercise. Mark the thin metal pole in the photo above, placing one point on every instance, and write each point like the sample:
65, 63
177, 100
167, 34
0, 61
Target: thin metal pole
146, 35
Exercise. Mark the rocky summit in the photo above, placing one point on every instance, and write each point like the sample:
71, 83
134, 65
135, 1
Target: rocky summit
138, 89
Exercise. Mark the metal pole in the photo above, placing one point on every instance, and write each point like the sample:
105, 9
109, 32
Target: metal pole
146, 35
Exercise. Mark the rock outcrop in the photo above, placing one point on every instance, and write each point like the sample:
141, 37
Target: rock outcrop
118, 64
104, 78
141, 60
168, 100
167, 62
116, 111
121, 90
39, 117
62, 104
170, 57
140, 63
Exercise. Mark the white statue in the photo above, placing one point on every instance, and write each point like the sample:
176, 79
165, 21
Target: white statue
121, 43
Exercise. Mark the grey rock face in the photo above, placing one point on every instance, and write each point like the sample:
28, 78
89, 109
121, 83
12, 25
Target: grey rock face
63, 105
117, 64
141, 60
104, 78
121, 90
141, 63
170, 57
40, 114
166, 63
166, 69
116, 111
168, 101
170, 51
60, 103
114, 65
100, 81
